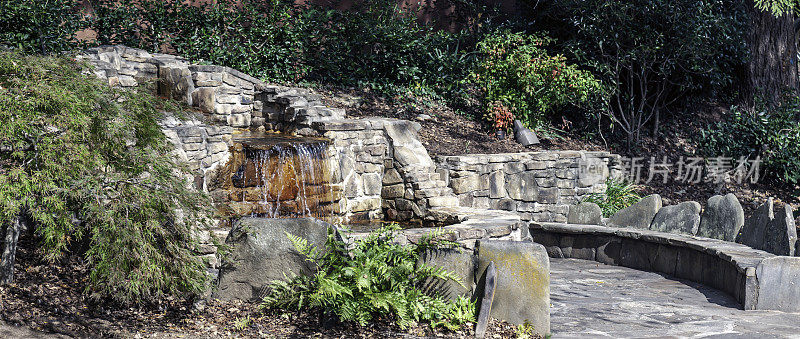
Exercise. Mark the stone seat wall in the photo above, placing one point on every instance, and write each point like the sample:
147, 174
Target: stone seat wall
757, 279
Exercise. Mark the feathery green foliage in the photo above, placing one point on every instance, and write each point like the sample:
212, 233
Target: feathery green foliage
89, 166
375, 277
617, 196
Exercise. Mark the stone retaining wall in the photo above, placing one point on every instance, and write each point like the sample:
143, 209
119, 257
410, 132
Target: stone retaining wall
540, 186
757, 279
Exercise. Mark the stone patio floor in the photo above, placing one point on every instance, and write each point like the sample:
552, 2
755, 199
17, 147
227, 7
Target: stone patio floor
593, 300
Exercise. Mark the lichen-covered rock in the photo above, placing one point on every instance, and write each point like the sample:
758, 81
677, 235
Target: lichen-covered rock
683, 218
638, 215
523, 281
261, 252
585, 213
722, 218
458, 261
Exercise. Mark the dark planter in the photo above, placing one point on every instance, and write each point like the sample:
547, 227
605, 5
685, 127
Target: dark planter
500, 134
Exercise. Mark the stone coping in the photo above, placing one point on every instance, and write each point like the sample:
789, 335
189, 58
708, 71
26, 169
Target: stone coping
351, 124
531, 155
733, 268
744, 257
468, 226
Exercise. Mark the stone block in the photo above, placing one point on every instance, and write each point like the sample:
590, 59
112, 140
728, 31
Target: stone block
722, 219
459, 262
363, 204
639, 215
522, 293
683, 218
497, 185
372, 183
609, 250
591, 171
523, 135
392, 191
778, 287
204, 99
465, 184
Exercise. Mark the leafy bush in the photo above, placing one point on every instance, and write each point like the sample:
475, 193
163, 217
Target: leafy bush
373, 44
652, 53
773, 134
516, 71
88, 165
618, 195
263, 38
377, 278
40, 26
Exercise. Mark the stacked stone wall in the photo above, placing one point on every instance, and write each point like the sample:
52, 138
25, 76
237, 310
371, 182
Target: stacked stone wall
540, 186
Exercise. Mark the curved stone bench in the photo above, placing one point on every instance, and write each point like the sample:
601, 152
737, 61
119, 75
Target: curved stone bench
757, 279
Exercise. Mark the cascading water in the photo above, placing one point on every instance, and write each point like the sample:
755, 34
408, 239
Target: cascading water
282, 177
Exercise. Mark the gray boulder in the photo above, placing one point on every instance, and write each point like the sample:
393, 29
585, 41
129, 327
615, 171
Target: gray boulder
522, 292
781, 234
722, 218
683, 218
524, 135
261, 252
638, 215
755, 228
585, 213
770, 230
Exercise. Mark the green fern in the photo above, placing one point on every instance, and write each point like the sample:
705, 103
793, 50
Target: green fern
376, 277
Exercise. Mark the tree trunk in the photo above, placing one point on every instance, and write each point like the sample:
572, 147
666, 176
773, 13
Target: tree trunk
773, 65
9, 251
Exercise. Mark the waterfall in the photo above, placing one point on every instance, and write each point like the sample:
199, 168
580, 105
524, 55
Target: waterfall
286, 179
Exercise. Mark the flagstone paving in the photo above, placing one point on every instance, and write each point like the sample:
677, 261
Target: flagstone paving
593, 300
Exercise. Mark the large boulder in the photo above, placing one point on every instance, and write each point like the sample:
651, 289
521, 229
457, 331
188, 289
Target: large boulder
585, 213
638, 215
722, 218
755, 228
522, 292
770, 230
781, 233
260, 252
683, 218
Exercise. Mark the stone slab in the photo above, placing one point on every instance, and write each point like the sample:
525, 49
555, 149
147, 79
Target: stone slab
523, 281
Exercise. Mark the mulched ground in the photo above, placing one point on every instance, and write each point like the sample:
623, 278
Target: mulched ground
446, 133
49, 298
